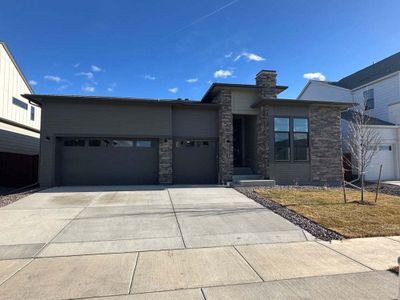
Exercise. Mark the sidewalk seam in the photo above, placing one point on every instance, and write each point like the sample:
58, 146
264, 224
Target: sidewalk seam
352, 259
251, 267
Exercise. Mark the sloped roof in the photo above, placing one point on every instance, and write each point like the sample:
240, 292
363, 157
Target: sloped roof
348, 115
16, 66
373, 72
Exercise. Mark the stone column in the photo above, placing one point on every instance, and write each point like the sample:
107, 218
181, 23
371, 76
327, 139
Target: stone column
263, 141
325, 144
266, 81
165, 161
225, 149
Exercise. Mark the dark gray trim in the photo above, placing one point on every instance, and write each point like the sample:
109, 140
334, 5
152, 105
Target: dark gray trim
215, 87
9, 122
344, 105
38, 99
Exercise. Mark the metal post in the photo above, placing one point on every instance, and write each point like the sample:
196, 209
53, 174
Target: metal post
344, 187
378, 183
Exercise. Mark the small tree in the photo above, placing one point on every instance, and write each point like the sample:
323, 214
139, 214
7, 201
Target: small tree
361, 141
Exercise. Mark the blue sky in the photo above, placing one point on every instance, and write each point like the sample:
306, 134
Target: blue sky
175, 48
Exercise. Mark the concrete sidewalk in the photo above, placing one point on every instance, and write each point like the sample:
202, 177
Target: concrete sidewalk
178, 243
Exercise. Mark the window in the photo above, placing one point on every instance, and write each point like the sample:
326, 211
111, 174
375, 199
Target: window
282, 139
20, 103
143, 144
74, 143
300, 139
32, 113
122, 143
291, 140
94, 143
385, 148
369, 99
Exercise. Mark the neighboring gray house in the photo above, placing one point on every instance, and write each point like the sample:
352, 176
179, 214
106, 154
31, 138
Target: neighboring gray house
235, 129
19, 125
379, 86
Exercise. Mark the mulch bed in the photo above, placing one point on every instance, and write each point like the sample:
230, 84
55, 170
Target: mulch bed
12, 197
310, 226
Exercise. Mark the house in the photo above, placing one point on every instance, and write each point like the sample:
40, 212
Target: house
234, 129
378, 86
19, 125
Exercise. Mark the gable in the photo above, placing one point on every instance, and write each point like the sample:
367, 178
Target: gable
316, 90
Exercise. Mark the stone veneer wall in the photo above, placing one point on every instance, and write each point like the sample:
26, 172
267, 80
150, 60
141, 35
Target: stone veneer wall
225, 134
262, 142
165, 161
266, 81
325, 144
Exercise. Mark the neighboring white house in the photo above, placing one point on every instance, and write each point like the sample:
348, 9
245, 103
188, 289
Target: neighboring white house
19, 122
378, 85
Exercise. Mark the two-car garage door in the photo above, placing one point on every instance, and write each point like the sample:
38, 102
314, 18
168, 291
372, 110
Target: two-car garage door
108, 161
113, 161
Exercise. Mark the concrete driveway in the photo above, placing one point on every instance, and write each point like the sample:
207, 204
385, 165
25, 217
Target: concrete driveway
174, 243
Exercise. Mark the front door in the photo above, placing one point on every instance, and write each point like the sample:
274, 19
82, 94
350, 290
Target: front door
237, 142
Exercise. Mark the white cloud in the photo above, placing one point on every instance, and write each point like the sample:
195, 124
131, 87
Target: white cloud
52, 78
249, 56
109, 89
173, 90
228, 55
88, 88
76, 65
33, 82
63, 87
316, 75
96, 68
223, 73
149, 77
192, 80
88, 75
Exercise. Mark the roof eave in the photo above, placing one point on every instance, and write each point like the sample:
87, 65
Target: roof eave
343, 105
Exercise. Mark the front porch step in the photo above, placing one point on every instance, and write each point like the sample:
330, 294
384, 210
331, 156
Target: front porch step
242, 171
236, 178
260, 182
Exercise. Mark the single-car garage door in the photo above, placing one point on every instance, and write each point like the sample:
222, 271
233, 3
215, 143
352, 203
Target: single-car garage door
195, 161
107, 161
385, 157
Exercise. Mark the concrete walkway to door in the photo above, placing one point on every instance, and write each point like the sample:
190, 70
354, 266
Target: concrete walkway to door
178, 242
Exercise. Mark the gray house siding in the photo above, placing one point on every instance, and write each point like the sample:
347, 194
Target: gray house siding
80, 119
290, 172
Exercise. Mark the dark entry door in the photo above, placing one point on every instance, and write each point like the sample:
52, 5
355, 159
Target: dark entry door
108, 161
237, 142
195, 161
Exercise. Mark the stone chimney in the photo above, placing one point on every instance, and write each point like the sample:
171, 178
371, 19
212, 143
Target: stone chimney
266, 80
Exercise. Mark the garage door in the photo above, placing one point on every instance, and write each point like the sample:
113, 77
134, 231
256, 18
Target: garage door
195, 161
385, 157
108, 161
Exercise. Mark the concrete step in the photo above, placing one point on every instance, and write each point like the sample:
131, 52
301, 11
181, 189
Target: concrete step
260, 182
242, 171
236, 178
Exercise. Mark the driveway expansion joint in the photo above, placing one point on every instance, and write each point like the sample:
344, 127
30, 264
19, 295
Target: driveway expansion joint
176, 218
